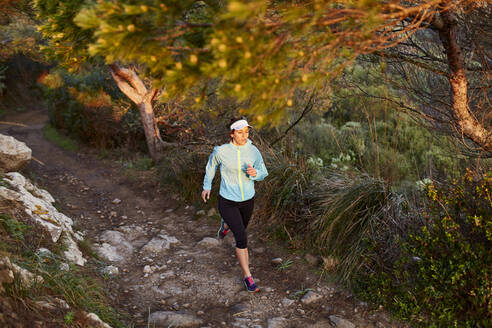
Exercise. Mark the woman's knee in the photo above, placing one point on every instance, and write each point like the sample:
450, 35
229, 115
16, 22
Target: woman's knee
242, 242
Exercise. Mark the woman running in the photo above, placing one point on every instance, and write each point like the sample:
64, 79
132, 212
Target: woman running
240, 165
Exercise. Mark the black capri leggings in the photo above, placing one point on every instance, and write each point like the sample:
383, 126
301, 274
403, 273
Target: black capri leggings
237, 215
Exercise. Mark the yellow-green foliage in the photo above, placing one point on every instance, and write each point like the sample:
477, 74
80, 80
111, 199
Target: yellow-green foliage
443, 276
88, 107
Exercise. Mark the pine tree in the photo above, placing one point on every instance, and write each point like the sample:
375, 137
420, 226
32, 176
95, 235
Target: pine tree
259, 52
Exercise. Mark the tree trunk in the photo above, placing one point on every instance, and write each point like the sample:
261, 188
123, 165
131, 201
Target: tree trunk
467, 123
134, 88
152, 134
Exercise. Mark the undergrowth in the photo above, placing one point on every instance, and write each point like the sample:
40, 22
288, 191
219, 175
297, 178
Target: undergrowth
79, 286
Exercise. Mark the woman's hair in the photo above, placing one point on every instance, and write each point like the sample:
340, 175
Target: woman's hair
234, 119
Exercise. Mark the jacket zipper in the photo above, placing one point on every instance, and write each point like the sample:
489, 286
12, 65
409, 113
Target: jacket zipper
239, 173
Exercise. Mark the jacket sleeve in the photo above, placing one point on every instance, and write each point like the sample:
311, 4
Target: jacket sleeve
259, 165
210, 169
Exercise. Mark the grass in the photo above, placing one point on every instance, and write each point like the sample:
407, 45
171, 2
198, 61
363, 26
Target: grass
300, 293
79, 286
284, 265
58, 139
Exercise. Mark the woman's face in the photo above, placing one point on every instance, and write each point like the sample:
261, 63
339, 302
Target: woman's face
239, 137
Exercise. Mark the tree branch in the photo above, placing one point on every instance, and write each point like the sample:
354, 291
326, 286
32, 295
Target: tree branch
309, 106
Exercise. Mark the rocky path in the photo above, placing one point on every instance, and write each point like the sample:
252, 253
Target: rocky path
164, 266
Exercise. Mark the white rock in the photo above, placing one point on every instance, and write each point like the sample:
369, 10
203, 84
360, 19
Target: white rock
211, 212
73, 252
147, 269
340, 322
44, 253
28, 279
38, 205
277, 322
116, 201
200, 212
115, 247
158, 244
174, 319
64, 267
111, 270
287, 302
95, 321
311, 297
208, 242
277, 260
14, 154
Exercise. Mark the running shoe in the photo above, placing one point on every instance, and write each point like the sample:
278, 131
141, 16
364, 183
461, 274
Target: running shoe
222, 230
250, 285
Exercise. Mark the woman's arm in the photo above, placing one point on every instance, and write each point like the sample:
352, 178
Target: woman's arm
259, 166
213, 162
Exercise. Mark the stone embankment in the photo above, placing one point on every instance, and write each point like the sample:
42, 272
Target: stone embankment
38, 204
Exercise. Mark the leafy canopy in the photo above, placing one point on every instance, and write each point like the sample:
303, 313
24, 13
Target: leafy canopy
261, 52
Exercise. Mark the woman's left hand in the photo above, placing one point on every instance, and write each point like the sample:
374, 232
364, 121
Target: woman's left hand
251, 171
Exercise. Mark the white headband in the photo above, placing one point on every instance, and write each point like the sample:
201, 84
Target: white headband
238, 125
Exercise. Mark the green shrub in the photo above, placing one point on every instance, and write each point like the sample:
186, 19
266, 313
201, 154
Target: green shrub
443, 276
90, 108
57, 138
14, 228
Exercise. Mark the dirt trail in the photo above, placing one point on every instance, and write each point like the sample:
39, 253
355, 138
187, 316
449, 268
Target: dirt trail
196, 282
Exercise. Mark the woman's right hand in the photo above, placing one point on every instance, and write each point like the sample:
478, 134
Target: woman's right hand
205, 195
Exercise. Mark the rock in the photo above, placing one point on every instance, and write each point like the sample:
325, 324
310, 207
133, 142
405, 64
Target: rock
158, 244
73, 252
340, 322
323, 323
169, 210
287, 302
268, 289
46, 306
277, 260
115, 247
200, 213
208, 242
52, 304
174, 319
116, 201
238, 308
259, 250
311, 259
14, 154
38, 205
278, 322
311, 297
111, 270
8, 270
147, 269
64, 267
61, 303
211, 212
44, 253
6, 276
95, 321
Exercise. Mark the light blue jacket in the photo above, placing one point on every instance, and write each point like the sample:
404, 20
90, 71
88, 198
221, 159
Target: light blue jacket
235, 183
